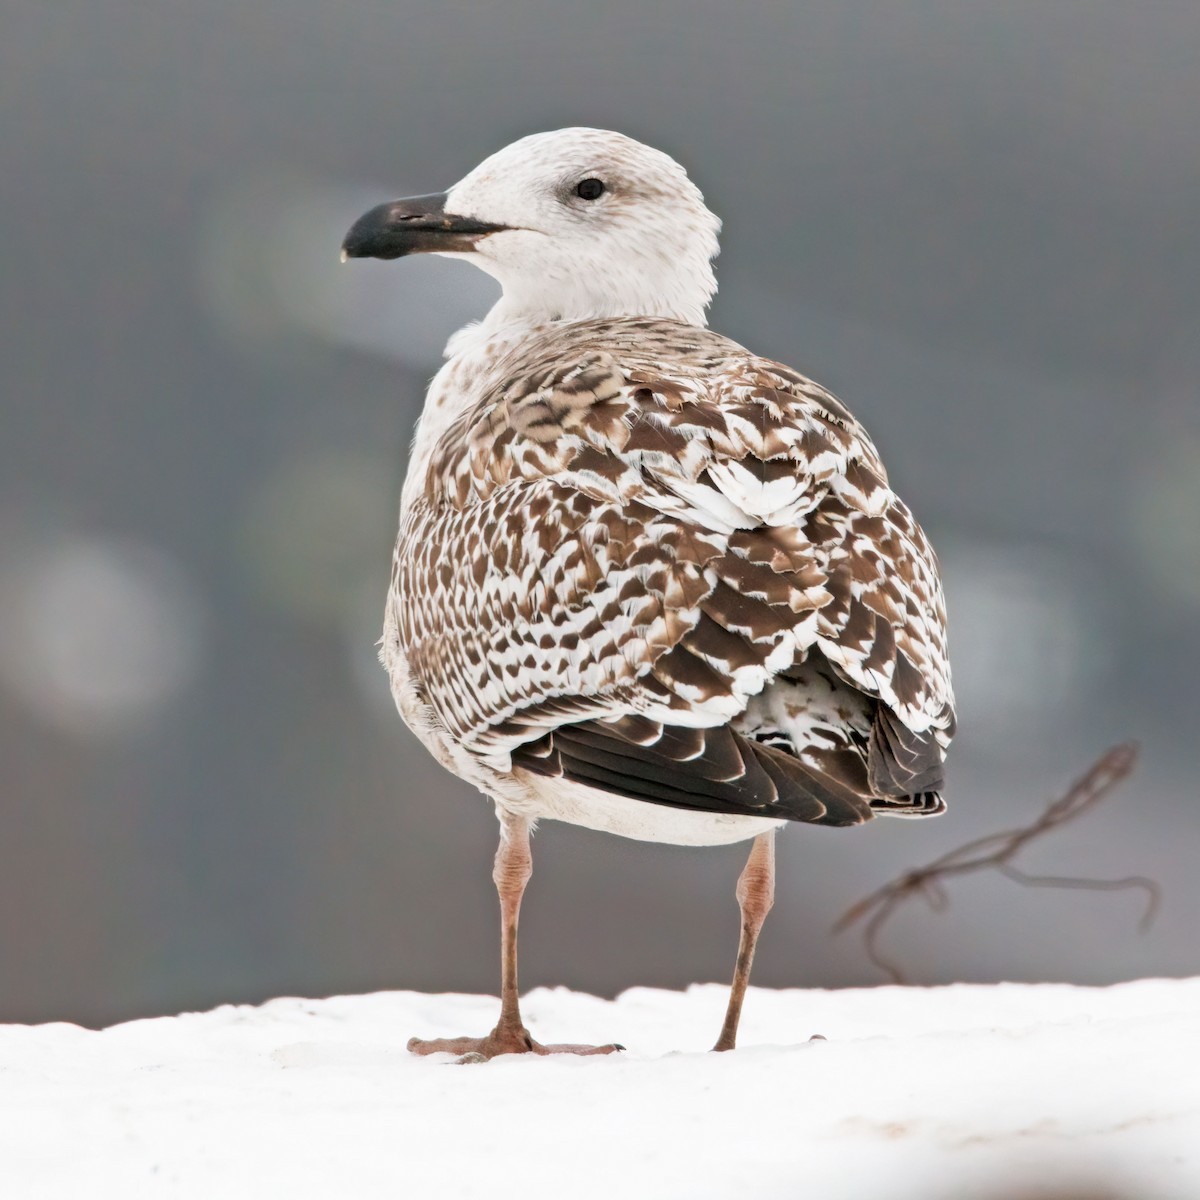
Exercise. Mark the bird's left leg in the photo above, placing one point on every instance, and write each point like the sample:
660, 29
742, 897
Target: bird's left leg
510, 872
755, 895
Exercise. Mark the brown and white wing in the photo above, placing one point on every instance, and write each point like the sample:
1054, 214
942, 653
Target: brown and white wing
612, 557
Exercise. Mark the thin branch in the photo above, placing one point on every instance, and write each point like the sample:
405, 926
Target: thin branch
996, 851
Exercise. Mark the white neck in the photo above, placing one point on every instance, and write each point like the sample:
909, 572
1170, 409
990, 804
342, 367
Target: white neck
535, 306
479, 342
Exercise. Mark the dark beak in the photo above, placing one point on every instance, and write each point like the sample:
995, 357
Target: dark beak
417, 225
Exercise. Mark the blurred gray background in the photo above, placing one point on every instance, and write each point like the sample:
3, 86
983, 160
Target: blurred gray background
976, 222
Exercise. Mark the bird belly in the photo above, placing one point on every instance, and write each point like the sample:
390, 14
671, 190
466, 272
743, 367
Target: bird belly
536, 796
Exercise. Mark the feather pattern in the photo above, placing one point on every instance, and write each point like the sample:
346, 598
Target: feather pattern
648, 563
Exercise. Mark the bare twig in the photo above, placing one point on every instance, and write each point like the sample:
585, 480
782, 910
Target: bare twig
996, 851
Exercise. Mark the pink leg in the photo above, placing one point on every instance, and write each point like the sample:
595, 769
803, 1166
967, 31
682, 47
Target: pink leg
755, 895
511, 872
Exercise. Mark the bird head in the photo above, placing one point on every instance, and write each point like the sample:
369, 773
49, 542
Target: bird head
573, 224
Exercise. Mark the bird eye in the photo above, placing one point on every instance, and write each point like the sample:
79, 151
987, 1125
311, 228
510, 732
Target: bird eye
590, 189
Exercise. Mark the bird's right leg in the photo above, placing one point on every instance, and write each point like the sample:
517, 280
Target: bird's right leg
510, 872
755, 896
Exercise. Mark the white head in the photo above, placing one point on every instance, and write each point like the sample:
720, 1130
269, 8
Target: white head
574, 224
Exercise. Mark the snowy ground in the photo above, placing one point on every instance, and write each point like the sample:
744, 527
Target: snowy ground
984, 1092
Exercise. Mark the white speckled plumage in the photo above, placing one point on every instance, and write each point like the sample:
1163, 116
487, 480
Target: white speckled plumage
645, 580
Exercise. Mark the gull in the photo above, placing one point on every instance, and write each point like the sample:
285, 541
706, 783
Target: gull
646, 581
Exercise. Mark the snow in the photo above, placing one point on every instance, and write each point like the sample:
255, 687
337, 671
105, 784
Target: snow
965, 1091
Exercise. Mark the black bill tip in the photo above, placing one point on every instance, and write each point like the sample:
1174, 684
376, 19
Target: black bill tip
416, 225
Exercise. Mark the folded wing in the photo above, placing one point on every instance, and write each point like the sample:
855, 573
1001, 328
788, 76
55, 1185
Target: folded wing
628, 553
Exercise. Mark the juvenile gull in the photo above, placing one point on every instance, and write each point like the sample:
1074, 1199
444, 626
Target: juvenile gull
645, 580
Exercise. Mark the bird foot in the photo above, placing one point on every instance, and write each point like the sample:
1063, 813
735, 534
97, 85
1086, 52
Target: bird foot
511, 1040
